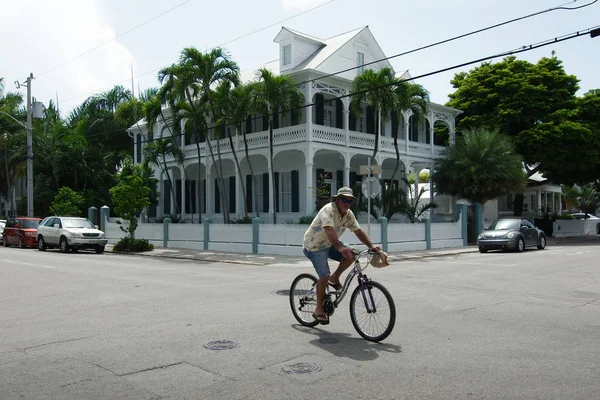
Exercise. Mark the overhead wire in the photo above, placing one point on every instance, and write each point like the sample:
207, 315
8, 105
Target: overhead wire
555, 8
522, 49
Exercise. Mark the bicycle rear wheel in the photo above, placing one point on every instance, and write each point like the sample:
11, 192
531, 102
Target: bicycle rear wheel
303, 299
372, 311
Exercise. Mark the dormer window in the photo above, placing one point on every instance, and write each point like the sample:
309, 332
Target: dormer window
360, 62
287, 54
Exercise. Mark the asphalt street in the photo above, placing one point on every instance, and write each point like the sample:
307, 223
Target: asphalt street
469, 326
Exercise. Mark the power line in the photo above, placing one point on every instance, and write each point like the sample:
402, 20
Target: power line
156, 69
555, 8
113, 39
522, 49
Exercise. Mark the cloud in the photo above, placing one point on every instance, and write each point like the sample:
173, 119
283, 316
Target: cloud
52, 43
300, 4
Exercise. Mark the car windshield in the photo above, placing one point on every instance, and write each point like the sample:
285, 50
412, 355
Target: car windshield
30, 223
77, 223
504, 224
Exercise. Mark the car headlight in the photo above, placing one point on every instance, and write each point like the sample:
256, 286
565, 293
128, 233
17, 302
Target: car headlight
510, 235
481, 236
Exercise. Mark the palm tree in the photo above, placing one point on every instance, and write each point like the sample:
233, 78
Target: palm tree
199, 75
375, 88
228, 104
586, 197
157, 152
12, 137
274, 94
480, 166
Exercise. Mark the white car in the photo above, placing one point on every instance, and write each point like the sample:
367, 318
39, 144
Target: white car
70, 233
2, 224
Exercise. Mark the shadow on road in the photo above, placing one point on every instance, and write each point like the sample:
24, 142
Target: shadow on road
344, 345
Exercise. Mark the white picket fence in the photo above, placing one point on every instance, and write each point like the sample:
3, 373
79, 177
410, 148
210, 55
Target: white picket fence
283, 239
574, 227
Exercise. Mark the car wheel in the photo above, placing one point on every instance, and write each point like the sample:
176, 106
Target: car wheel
542, 244
64, 245
520, 245
99, 249
482, 250
41, 243
21, 242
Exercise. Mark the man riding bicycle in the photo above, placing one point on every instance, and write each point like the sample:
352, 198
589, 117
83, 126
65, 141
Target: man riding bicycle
321, 241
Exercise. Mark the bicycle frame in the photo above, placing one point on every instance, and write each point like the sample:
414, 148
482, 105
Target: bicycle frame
357, 270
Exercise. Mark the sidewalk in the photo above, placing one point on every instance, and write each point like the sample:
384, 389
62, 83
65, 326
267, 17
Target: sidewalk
265, 259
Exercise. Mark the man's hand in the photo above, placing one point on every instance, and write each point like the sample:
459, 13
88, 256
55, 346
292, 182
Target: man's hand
346, 253
376, 249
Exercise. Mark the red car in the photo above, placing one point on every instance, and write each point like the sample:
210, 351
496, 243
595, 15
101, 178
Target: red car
21, 231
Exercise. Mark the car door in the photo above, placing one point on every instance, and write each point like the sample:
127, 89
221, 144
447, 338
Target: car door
529, 232
53, 231
9, 231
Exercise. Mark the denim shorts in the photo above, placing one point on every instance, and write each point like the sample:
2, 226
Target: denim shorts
319, 259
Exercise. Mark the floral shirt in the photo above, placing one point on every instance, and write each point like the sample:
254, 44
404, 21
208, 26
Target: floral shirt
315, 238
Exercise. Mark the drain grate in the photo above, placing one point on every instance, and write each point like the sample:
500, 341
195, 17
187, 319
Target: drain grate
283, 292
329, 340
302, 368
220, 345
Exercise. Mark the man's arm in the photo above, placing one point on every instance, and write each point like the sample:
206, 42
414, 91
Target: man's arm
336, 243
364, 238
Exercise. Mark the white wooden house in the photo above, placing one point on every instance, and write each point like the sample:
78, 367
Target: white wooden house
326, 145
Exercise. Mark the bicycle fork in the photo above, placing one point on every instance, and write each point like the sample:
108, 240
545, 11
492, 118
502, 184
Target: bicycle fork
367, 295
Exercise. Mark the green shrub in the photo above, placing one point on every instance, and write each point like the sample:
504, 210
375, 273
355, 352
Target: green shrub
129, 245
306, 220
241, 220
563, 216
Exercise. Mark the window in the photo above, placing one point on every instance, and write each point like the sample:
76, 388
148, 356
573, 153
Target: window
287, 54
360, 62
286, 191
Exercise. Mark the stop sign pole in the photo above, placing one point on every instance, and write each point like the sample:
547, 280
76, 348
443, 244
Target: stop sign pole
367, 170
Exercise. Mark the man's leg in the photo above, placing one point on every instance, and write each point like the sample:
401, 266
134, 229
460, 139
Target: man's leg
319, 261
344, 264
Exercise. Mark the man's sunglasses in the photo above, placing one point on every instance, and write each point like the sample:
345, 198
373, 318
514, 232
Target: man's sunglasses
347, 201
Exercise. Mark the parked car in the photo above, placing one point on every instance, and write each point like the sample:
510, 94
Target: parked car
21, 231
2, 224
511, 234
590, 217
70, 233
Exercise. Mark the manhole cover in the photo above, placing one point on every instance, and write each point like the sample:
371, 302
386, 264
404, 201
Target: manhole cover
297, 292
220, 345
302, 368
329, 340
283, 292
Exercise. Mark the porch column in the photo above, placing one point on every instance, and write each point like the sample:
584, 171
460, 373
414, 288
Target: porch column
431, 139
431, 210
538, 195
553, 203
309, 185
308, 112
271, 188
559, 203
346, 170
183, 197
347, 121
239, 201
406, 125
210, 191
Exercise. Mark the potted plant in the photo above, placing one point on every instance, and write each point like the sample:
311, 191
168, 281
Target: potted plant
322, 193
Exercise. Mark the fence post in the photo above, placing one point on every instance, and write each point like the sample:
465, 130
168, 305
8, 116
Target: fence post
104, 214
428, 234
255, 234
166, 223
462, 215
207, 221
383, 221
92, 215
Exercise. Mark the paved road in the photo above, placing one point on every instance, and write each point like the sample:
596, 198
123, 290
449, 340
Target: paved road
470, 326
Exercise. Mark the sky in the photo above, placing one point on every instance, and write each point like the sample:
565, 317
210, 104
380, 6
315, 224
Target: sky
76, 48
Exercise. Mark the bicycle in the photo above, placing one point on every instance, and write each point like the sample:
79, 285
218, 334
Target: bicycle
372, 308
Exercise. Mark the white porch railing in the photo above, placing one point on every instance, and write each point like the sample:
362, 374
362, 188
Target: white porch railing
329, 135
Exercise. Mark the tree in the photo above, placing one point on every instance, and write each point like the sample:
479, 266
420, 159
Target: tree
274, 94
131, 194
535, 105
377, 89
156, 153
586, 197
480, 166
67, 203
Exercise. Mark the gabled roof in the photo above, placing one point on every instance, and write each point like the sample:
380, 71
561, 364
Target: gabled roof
296, 33
332, 45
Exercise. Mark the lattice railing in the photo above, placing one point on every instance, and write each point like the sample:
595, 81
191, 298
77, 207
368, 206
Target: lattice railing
329, 134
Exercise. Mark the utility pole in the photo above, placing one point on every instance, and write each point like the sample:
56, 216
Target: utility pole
29, 149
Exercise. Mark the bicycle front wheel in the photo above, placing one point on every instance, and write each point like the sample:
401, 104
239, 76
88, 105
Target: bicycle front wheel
303, 299
372, 311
